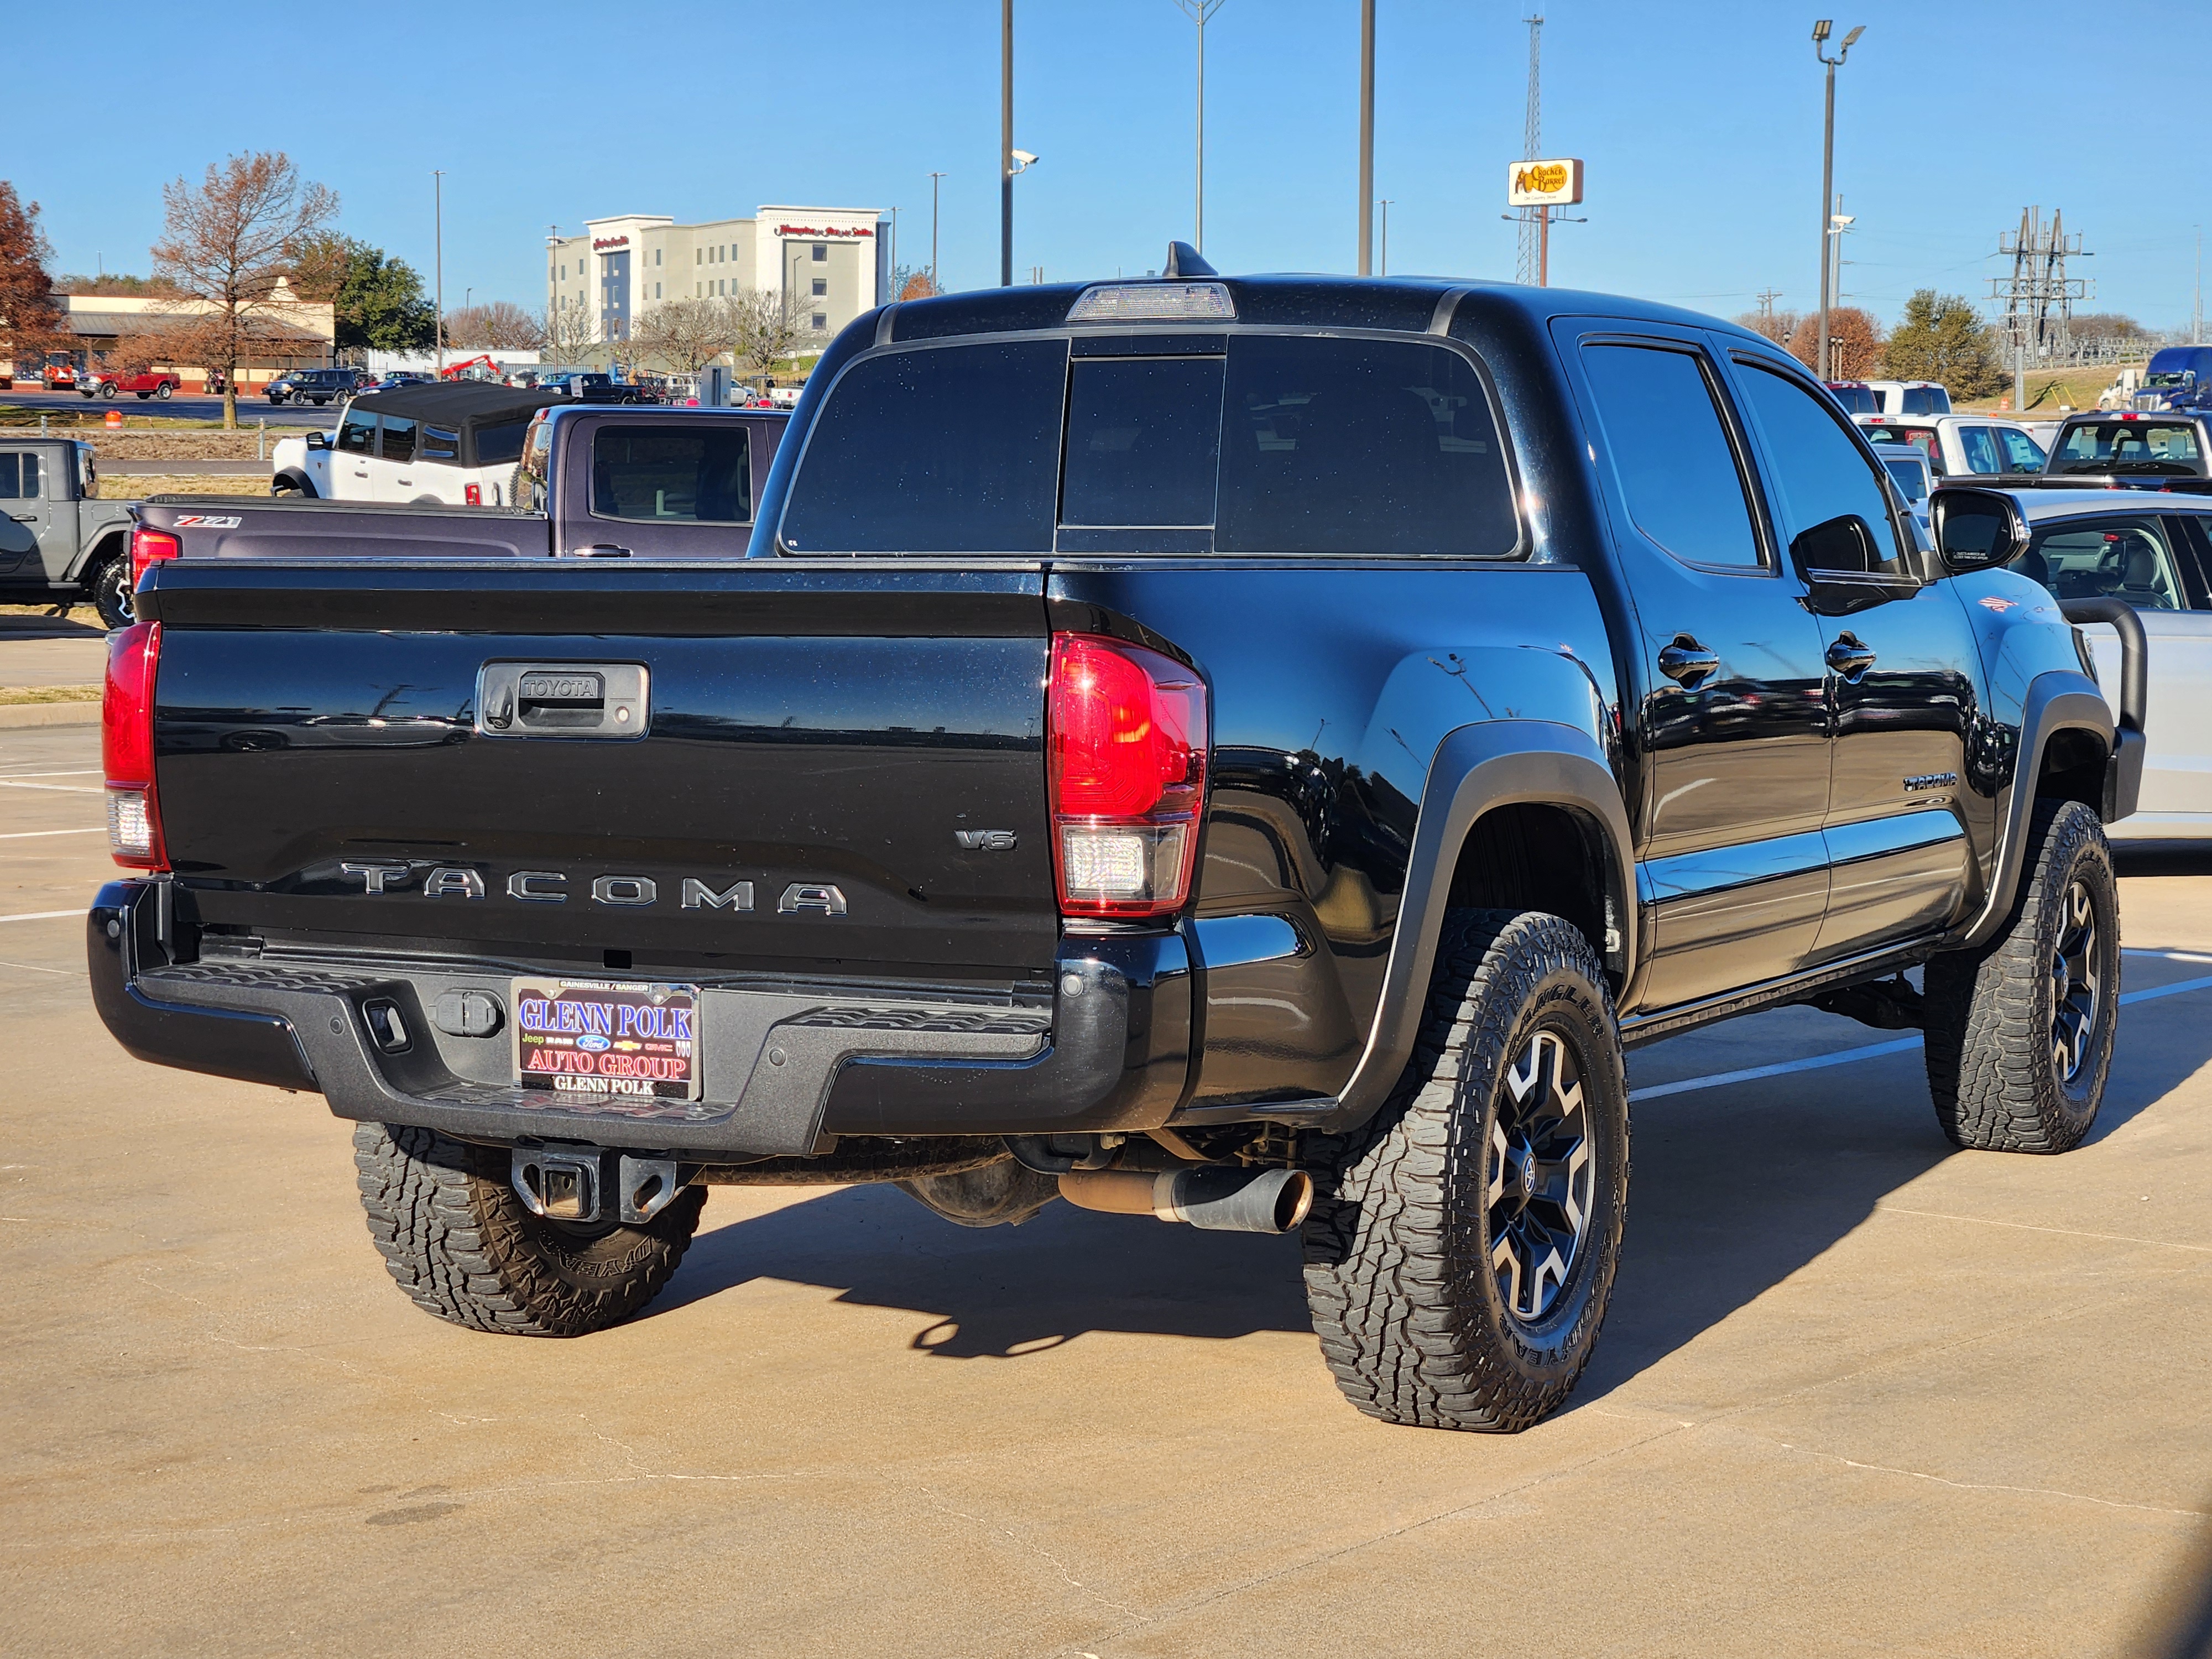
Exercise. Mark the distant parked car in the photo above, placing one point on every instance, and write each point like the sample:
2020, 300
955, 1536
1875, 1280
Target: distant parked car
106, 383
1891, 397
316, 385
1959, 446
393, 382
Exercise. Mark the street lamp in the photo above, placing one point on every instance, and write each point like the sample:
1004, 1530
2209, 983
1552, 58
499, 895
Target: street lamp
1828, 170
1201, 12
1385, 205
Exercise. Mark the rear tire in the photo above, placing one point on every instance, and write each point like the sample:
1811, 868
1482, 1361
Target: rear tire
2021, 1032
111, 592
163, 390
1459, 1260
461, 1244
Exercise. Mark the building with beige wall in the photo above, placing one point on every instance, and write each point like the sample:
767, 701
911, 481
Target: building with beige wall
292, 332
829, 259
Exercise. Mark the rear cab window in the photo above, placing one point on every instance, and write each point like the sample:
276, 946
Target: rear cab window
2168, 448
1923, 400
1252, 443
672, 474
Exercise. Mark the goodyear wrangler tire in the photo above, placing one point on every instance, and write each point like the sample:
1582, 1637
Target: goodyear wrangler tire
2021, 1032
462, 1246
1465, 1245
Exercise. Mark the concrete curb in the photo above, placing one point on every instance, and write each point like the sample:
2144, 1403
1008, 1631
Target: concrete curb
48, 714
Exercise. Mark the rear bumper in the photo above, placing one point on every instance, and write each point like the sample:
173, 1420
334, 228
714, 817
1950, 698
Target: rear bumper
781, 1068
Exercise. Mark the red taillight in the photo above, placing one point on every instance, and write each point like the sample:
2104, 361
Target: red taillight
149, 545
126, 744
1125, 745
472, 495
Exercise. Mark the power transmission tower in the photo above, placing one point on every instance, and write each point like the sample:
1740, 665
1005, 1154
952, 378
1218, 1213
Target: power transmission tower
2038, 295
1528, 265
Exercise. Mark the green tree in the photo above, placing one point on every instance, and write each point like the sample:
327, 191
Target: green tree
1940, 337
379, 300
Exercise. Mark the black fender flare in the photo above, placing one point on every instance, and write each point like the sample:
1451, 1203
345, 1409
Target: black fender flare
1477, 768
2060, 700
300, 480
111, 540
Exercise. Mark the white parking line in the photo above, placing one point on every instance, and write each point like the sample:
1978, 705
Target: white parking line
26, 834
45, 916
72, 772
65, 788
1871, 1051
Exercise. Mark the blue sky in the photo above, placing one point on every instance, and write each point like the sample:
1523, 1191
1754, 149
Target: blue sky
1700, 124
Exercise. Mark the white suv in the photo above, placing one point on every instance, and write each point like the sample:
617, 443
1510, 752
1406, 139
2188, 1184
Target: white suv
1891, 397
453, 444
1959, 446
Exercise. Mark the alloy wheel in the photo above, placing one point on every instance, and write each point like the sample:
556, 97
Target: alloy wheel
1538, 1189
2076, 987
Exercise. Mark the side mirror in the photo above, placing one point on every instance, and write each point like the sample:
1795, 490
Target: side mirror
1977, 529
318, 440
1844, 545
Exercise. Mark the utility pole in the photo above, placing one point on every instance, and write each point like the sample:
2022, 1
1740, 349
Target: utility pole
1385, 205
1366, 138
935, 286
1201, 12
2197, 305
438, 197
1530, 266
1005, 143
1828, 170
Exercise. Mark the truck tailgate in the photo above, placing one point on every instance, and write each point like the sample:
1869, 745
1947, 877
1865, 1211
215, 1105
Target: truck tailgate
754, 767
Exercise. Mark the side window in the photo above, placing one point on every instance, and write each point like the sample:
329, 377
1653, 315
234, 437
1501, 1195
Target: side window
500, 442
2128, 559
357, 435
18, 476
1820, 479
2021, 453
1979, 446
440, 444
672, 474
1670, 449
945, 449
1360, 447
398, 439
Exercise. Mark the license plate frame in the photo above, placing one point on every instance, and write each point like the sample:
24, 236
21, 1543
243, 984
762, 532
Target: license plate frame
625, 1040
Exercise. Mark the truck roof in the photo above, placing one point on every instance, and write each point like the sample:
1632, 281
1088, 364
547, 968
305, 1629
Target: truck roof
1407, 304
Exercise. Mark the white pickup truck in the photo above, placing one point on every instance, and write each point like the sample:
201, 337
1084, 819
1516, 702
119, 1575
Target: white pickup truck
455, 444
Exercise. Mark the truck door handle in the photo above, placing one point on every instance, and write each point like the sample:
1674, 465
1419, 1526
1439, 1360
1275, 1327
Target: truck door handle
599, 551
24, 518
1687, 663
1849, 657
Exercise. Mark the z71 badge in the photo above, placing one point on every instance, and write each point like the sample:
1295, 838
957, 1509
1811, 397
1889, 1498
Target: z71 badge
207, 522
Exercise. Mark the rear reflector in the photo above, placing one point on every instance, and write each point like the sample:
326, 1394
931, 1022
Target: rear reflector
472, 495
149, 546
1127, 742
1154, 302
126, 744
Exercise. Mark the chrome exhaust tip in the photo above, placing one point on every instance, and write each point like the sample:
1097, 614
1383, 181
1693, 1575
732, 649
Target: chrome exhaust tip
1213, 1198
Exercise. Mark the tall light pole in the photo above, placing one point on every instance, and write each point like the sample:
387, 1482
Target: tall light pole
1201, 12
1385, 205
438, 199
1366, 136
935, 286
1005, 143
1828, 172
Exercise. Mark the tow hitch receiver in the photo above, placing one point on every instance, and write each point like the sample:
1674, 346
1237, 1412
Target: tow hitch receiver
570, 1184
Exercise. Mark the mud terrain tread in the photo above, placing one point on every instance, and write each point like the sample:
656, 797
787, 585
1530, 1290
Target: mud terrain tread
459, 1243
1401, 1327
1988, 1040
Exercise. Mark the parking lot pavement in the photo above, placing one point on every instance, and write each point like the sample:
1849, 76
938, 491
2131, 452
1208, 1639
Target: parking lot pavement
41, 651
1856, 1389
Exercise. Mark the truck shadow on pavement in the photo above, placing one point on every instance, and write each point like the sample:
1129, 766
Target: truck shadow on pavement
1735, 1189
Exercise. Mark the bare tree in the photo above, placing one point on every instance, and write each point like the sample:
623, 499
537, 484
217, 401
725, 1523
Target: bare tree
685, 335
768, 327
501, 326
225, 244
567, 335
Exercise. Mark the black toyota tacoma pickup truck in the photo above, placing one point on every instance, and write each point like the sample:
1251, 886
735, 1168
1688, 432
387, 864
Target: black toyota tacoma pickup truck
1249, 752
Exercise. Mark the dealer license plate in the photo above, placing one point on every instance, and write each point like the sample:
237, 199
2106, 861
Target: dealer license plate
609, 1038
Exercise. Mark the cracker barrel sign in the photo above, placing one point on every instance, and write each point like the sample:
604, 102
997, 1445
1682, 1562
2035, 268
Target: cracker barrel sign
1543, 184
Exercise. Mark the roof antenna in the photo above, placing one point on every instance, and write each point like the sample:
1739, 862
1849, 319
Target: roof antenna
1184, 260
